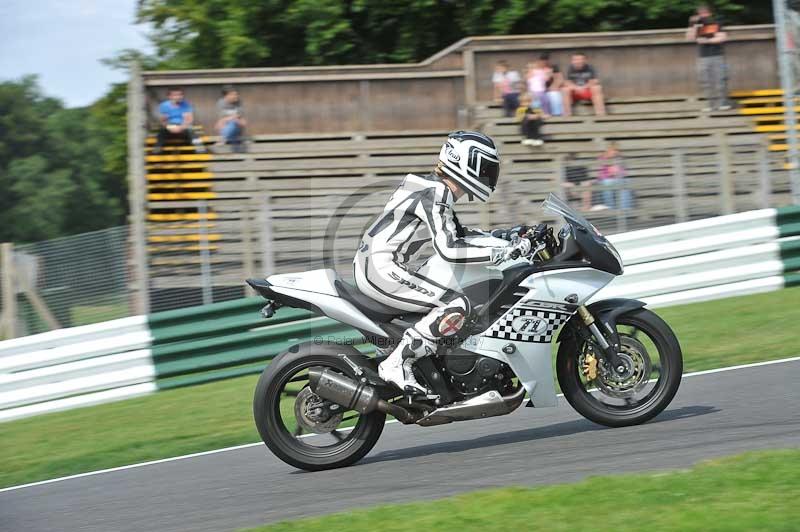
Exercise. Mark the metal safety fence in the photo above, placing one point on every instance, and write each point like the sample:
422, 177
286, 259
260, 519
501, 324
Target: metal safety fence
65, 282
88, 278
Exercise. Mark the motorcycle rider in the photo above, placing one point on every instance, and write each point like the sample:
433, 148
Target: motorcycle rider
420, 211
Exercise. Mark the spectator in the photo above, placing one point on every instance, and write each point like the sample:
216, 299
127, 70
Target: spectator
553, 86
506, 87
231, 124
712, 71
531, 119
582, 85
177, 117
576, 174
611, 174
537, 76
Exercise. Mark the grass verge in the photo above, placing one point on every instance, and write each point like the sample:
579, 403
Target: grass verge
745, 492
713, 334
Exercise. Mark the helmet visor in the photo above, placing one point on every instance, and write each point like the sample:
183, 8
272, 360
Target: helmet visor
490, 171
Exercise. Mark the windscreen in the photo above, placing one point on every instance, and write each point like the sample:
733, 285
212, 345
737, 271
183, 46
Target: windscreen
555, 205
598, 250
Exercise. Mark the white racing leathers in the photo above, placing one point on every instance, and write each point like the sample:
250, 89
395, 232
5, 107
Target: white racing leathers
419, 211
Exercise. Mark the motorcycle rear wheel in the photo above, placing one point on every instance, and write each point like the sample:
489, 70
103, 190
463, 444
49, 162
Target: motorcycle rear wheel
595, 400
287, 443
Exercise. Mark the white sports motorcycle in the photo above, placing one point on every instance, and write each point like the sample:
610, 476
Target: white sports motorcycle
618, 364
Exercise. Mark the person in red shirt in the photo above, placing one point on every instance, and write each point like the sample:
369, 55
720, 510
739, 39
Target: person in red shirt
582, 85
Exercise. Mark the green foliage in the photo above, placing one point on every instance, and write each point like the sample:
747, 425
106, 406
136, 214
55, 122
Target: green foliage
43, 196
108, 132
56, 164
241, 33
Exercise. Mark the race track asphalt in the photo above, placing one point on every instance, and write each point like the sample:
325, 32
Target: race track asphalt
713, 415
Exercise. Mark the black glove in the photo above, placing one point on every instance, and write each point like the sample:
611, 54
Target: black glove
508, 234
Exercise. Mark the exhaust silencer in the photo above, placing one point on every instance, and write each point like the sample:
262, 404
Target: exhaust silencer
352, 395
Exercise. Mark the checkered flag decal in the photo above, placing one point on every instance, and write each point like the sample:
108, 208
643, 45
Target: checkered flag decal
542, 325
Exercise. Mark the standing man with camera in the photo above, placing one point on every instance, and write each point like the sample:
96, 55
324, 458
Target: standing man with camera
712, 71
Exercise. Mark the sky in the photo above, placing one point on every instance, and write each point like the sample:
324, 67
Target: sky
63, 40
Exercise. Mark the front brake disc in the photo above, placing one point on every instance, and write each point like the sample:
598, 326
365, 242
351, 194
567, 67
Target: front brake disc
638, 368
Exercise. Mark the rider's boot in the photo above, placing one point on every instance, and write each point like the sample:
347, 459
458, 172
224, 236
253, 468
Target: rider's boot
397, 368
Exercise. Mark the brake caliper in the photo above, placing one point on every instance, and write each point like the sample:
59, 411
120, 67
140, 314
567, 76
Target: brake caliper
589, 367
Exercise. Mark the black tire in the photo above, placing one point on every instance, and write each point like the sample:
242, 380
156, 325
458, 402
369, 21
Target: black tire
266, 411
591, 408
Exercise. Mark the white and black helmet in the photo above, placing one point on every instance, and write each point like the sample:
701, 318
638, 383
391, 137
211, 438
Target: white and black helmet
471, 160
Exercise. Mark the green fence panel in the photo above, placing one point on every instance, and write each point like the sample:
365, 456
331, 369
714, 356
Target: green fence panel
229, 373
791, 279
224, 325
202, 343
216, 319
197, 313
194, 379
305, 329
790, 253
225, 340
789, 249
788, 221
791, 264
237, 356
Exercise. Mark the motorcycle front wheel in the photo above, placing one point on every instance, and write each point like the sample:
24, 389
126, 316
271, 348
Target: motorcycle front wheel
298, 426
653, 364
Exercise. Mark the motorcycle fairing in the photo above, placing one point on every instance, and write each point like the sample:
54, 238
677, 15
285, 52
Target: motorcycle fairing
318, 288
528, 352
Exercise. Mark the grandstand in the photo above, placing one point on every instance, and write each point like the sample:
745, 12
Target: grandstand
766, 109
268, 210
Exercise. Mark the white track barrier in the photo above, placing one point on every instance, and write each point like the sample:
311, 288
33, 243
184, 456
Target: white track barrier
73, 367
700, 260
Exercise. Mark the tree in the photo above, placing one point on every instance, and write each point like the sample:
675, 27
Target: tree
41, 200
241, 33
57, 165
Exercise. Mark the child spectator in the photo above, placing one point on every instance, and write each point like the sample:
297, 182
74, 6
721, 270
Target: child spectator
611, 174
537, 76
582, 85
506, 87
531, 118
231, 124
554, 83
176, 116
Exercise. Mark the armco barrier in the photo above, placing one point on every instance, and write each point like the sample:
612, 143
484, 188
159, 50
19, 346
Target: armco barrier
230, 339
73, 367
738, 254
719, 257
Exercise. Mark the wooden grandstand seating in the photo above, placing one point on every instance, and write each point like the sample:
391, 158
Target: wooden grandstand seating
766, 109
756, 93
308, 177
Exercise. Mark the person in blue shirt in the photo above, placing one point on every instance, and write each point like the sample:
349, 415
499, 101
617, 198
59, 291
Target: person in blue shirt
177, 117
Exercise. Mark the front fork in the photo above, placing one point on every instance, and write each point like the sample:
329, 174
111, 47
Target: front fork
609, 350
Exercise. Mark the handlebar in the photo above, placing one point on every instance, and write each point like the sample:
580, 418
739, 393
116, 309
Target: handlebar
543, 242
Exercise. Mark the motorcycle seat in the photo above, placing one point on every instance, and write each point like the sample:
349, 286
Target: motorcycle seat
372, 309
